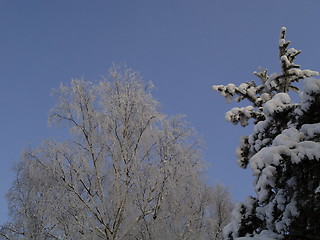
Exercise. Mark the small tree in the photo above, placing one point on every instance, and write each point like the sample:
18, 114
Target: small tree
127, 172
283, 152
220, 208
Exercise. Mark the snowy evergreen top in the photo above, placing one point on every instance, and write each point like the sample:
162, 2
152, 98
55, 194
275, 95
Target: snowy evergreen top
258, 94
283, 152
265, 99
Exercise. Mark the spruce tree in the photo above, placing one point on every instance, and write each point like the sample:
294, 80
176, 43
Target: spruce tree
283, 152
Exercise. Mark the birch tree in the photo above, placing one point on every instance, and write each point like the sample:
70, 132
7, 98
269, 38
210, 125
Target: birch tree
127, 171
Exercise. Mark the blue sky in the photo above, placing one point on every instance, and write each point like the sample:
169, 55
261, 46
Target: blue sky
184, 47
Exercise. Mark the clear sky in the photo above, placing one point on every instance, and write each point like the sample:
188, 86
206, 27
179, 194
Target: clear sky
184, 47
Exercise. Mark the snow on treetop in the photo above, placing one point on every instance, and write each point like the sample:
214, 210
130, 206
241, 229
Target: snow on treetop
276, 103
311, 130
282, 42
311, 85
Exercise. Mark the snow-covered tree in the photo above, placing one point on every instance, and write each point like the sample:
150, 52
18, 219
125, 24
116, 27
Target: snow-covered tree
127, 172
283, 152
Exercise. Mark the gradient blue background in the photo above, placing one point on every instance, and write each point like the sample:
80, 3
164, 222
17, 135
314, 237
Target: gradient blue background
184, 47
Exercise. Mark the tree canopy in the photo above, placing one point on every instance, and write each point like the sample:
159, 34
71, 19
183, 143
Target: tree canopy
126, 172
